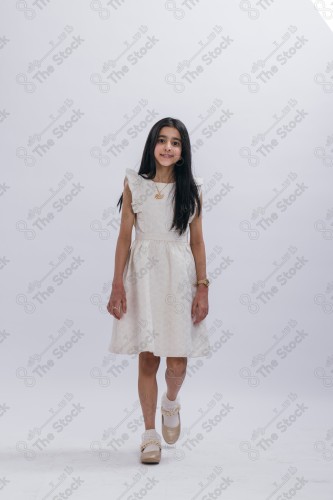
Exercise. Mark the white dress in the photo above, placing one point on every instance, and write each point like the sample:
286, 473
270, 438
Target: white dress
159, 280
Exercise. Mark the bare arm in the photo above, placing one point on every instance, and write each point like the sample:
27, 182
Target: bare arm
118, 295
200, 302
198, 246
125, 235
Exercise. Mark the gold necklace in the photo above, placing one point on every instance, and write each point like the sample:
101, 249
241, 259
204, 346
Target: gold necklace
159, 196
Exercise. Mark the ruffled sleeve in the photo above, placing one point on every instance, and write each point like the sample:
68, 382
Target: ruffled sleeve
199, 182
135, 183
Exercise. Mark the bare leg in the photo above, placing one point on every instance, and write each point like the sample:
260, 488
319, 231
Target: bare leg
174, 376
147, 386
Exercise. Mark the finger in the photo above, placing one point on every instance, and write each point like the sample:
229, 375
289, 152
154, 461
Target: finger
116, 311
199, 315
197, 320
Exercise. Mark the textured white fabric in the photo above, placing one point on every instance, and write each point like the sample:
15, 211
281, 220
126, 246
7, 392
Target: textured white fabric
159, 280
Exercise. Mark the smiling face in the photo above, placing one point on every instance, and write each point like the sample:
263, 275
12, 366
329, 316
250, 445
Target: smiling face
168, 147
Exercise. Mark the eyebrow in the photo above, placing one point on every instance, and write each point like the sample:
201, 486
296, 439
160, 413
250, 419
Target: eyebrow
161, 135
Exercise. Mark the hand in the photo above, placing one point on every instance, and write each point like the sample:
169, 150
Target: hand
200, 304
117, 300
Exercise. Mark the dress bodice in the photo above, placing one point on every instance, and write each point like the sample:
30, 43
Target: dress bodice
154, 216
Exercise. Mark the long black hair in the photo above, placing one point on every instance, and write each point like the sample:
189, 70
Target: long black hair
186, 193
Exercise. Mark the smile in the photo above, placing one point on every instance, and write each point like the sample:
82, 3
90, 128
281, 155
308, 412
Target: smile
168, 156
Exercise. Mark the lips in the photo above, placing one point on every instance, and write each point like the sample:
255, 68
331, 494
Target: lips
167, 156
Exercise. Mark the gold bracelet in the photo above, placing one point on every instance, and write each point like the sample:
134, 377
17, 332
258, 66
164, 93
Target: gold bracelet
205, 282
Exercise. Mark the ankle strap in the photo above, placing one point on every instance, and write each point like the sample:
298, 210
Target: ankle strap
151, 441
171, 411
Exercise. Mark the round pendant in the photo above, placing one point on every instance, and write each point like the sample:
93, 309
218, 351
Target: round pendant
158, 196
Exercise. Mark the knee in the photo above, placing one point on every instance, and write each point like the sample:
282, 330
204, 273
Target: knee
149, 363
176, 367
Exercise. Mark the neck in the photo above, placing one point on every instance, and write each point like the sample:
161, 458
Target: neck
164, 174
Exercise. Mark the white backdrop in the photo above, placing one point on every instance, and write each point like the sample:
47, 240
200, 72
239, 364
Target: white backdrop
82, 83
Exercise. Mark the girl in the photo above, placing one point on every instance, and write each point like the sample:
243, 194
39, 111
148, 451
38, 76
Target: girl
160, 276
